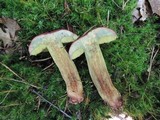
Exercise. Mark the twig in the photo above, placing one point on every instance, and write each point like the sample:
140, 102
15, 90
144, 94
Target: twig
89, 29
48, 66
51, 104
49, 108
41, 60
153, 55
11, 71
20, 81
23, 81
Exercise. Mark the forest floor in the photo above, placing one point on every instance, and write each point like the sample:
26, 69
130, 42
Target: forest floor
133, 61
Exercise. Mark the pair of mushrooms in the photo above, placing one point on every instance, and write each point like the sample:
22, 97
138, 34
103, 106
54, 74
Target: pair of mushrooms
88, 44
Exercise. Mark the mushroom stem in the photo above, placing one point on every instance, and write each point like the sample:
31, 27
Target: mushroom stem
69, 73
101, 77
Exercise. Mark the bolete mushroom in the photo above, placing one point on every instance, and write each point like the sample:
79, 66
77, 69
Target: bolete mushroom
53, 42
89, 44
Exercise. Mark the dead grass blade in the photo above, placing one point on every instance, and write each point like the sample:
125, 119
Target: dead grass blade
48, 66
10, 105
21, 81
5, 96
42, 60
153, 55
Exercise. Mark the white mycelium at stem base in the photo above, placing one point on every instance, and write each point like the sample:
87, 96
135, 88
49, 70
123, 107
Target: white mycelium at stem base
53, 43
89, 44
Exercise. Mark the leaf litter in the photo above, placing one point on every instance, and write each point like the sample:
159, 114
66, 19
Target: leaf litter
8, 36
144, 9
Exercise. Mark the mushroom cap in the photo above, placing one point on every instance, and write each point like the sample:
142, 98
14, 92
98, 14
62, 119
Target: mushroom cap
40, 42
101, 35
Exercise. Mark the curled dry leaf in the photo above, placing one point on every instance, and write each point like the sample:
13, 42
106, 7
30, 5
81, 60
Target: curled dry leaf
5, 36
11, 24
142, 11
8, 34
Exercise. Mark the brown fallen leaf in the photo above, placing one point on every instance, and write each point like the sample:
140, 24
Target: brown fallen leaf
155, 5
12, 26
5, 36
8, 35
142, 11
135, 15
8, 45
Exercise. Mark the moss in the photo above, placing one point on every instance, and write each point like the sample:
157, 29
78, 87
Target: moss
127, 60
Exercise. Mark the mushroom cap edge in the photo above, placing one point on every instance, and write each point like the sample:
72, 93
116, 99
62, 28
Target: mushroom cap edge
103, 34
76, 49
38, 43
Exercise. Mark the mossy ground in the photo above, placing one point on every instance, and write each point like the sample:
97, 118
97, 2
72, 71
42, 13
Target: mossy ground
127, 59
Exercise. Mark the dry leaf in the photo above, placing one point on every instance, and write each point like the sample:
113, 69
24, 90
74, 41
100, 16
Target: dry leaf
8, 34
155, 5
5, 36
11, 24
8, 45
136, 15
142, 11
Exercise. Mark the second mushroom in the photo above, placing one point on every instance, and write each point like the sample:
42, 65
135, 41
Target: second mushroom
89, 44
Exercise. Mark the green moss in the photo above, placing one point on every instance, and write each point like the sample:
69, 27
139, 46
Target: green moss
127, 60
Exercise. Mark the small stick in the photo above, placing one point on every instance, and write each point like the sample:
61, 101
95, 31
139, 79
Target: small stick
48, 66
51, 104
89, 29
41, 60
11, 70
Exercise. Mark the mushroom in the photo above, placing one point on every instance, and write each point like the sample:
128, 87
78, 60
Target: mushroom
89, 44
53, 43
